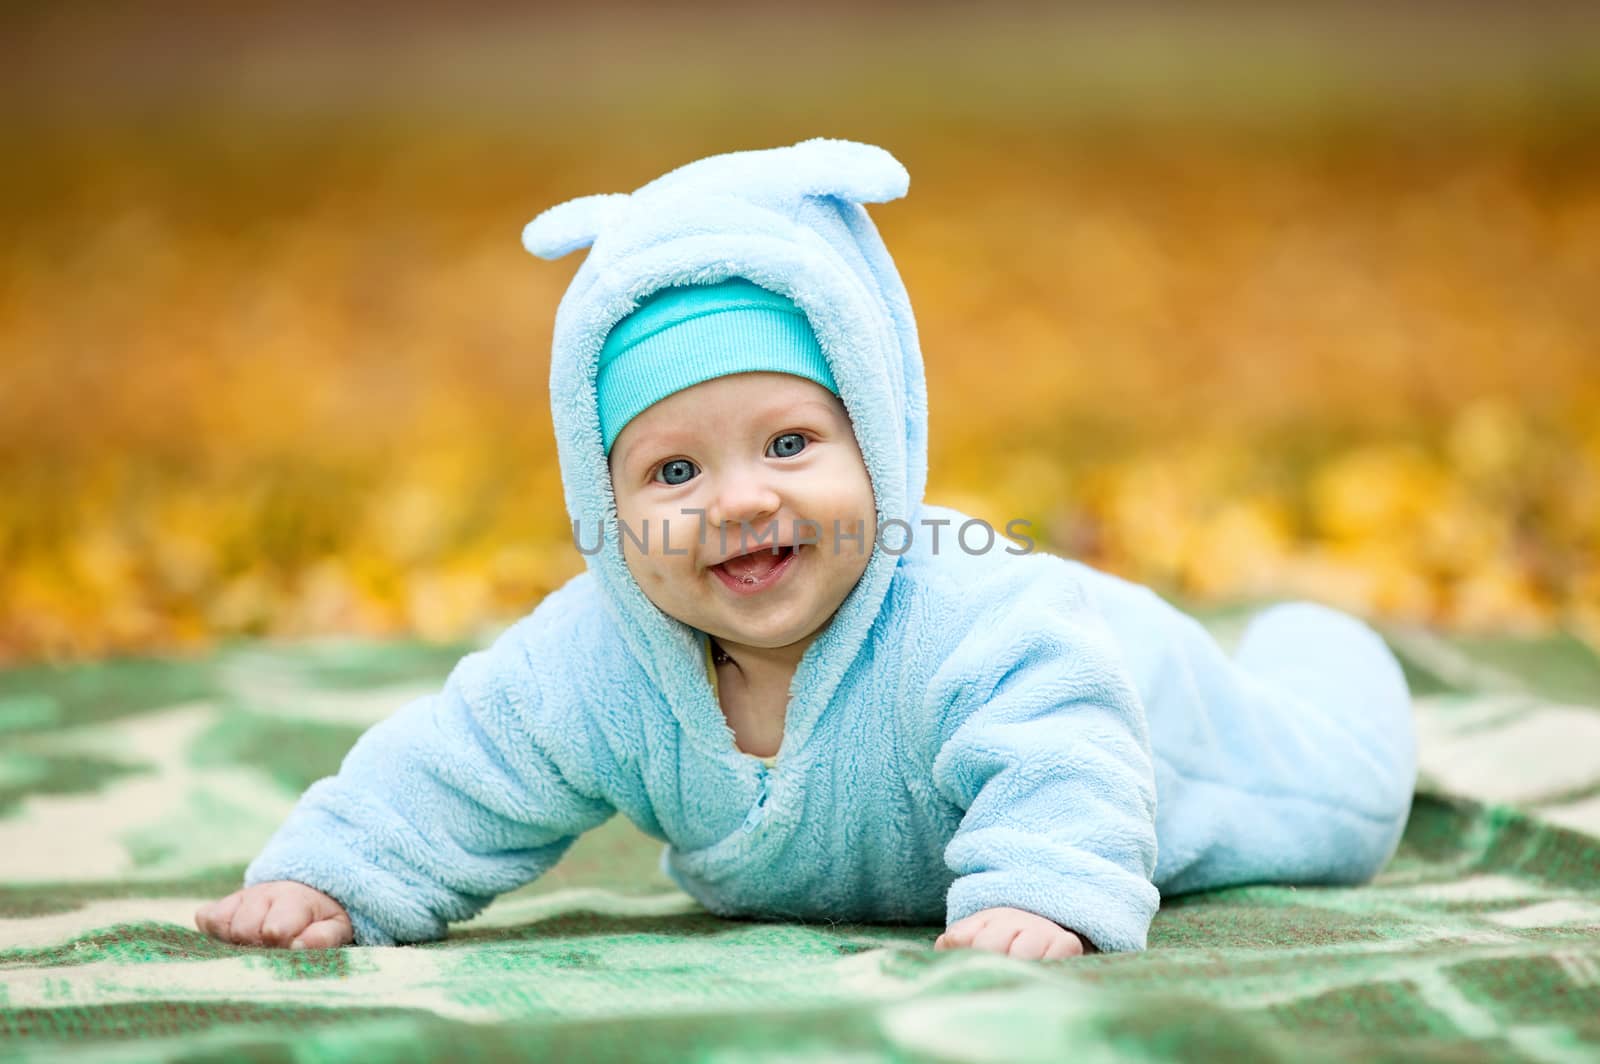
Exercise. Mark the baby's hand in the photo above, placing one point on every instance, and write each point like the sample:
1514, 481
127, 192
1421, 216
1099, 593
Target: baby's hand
281, 913
1014, 933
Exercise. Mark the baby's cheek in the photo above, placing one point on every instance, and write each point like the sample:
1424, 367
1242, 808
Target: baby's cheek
851, 539
644, 573
666, 581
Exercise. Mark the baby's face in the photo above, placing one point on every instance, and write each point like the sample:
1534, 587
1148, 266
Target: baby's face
770, 456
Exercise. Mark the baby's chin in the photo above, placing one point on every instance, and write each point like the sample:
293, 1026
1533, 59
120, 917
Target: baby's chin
762, 641
773, 636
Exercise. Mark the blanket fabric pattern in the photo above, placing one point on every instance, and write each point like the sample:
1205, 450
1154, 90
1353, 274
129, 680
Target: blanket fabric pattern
131, 792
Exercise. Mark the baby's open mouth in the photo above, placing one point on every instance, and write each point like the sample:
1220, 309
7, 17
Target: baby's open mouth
755, 565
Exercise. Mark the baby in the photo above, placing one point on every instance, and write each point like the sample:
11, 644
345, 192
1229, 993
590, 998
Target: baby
832, 700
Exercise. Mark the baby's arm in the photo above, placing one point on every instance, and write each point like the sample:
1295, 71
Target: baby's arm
457, 797
1046, 748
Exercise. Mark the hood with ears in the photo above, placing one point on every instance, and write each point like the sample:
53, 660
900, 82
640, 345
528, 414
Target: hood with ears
791, 220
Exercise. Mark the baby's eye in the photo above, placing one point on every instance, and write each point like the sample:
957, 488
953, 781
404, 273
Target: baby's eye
787, 446
677, 471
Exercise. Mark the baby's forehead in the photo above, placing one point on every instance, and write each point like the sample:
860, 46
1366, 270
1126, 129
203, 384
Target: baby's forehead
778, 407
752, 397
730, 406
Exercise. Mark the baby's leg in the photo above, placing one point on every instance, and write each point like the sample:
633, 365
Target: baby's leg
1292, 761
1336, 667
1343, 668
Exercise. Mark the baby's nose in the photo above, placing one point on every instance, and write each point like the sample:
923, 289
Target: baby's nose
744, 499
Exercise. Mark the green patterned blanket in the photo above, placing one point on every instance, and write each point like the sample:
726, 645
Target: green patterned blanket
131, 792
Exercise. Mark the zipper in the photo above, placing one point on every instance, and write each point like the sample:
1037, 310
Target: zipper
758, 810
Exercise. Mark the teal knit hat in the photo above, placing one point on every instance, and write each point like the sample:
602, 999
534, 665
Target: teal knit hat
684, 335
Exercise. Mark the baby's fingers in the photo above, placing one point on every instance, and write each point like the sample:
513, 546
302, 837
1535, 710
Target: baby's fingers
1068, 945
961, 933
331, 933
214, 918
997, 936
246, 926
284, 921
1031, 944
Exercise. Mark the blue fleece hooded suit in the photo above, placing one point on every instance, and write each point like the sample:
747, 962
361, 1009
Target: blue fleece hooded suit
971, 730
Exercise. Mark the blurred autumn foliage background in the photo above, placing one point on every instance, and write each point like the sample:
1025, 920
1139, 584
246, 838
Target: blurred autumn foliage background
1270, 301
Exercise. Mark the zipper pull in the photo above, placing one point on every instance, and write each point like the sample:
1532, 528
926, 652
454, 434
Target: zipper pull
758, 810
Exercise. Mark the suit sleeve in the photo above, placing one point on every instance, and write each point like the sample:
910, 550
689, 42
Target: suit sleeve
459, 796
1047, 751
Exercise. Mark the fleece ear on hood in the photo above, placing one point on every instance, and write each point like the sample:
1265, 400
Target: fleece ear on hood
791, 220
